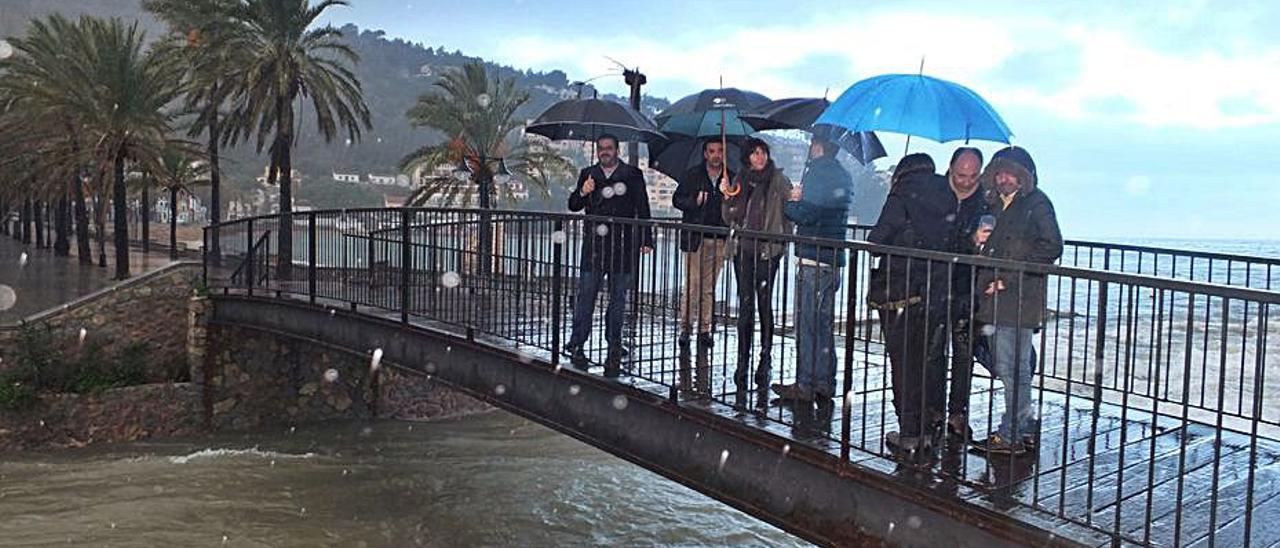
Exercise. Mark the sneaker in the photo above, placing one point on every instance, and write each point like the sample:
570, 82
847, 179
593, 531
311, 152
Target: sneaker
792, 392
997, 445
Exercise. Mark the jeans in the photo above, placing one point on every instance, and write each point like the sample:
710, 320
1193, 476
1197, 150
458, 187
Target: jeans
588, 286
755, 276
1014, 366
815, 323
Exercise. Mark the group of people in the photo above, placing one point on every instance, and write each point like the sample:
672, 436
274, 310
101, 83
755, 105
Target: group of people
923, 302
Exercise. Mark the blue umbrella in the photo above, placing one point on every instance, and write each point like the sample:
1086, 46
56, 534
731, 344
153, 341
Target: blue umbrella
919, 105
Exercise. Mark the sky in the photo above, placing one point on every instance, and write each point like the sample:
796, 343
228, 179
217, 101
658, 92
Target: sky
1146, 119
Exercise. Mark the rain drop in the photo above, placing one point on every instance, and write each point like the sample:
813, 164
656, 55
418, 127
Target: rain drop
988, 330
331, 375
450, 279
113, 525
332, 312
607, 192
619, 402
224, 539
8, 297
558, 368
724, 457
891, 524
914, 522
22, 259
430, 367
500, 389
602, 230
786, 449
558, 237
83, 333
574, 389
483, 100
304, 511
345, 472
376, 361
6, 49
619, 188
951, 217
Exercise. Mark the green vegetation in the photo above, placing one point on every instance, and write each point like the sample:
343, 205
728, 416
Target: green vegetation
44, 366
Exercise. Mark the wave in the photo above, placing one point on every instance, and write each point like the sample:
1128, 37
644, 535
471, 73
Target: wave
251, 452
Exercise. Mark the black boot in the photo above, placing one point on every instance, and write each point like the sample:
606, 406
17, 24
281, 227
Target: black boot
613, 364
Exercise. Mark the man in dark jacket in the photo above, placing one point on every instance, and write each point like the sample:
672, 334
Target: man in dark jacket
820, 209
610, 191
970, 206
1013, 301
698, 198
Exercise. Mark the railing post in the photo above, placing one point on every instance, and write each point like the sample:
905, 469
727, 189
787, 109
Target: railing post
248, 257
557, 291
1100, 343
850, 331
311, 256
406, 259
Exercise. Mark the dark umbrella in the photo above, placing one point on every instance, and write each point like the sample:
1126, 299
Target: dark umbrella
675, 157
709, 113
588, 119
800, 113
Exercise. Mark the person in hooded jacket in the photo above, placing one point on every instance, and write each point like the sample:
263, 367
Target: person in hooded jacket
1012, 303
610, 189
913, 294
755, 202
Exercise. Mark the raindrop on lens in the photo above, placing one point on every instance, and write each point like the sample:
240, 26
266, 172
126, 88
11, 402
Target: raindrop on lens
558, 237
6, 49
450, 279
483, 100
602, 230
988, 330
83, 333
500, 389
331, 375
8, 297
619, 402
891, 524
574, 389
786, 449
619, 188
22, 259
430, 367
607, 192
951, 217
376, 361
914, 522
724, 457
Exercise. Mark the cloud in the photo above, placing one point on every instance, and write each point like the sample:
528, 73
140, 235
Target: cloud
1072, 67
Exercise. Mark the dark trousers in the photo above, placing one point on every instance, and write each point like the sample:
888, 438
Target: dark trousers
583, 307
755, 277
961, 366
914, 341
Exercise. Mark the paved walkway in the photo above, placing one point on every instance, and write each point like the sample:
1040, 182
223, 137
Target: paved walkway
44, 281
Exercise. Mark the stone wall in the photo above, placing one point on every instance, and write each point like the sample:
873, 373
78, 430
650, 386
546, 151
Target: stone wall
150, 309
123, 414
257, 378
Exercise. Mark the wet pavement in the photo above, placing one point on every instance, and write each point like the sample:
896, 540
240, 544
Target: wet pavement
43, 281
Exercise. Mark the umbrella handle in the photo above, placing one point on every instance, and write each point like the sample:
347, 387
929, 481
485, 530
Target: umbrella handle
734, 188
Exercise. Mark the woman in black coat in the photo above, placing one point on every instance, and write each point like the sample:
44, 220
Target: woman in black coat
910, 296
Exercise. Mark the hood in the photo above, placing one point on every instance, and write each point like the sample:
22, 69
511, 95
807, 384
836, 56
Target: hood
1015, 160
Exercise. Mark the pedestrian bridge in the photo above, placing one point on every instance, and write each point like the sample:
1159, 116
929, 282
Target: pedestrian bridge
1159, 407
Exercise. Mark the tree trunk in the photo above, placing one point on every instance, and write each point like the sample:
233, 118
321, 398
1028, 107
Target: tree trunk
215, 182
284, 228
37, 217
25, 218
62, 228
146, 215
173, 222
100, 217
84, 252
120, 210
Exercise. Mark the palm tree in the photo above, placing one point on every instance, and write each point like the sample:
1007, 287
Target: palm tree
477, 114
126, 115
179, 173
291, 60
210, 37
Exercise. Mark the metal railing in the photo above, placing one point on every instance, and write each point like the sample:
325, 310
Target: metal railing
1155, 400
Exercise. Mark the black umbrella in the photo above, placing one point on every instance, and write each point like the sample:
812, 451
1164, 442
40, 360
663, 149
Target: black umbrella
800, 113
675, 157
708, 113
791, 113
588, 119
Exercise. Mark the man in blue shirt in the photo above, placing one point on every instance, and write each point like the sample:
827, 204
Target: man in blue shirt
820, 209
